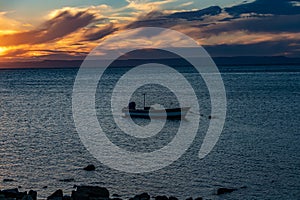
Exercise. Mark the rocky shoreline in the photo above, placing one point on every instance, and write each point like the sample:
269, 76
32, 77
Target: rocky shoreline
91, 193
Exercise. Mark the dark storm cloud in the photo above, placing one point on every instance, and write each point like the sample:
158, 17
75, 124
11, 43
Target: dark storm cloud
197, 15
276, 7
270, 24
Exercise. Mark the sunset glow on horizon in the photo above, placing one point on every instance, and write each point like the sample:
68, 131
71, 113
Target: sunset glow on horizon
57, 31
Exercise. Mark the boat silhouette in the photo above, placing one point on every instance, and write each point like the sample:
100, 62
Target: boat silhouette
150, 112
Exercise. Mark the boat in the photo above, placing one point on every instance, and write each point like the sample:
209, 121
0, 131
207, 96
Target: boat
149, 112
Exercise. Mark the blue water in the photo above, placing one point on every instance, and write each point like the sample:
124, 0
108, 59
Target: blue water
259, 147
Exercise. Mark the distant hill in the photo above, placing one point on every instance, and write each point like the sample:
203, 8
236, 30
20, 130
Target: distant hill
220, 61
256, 60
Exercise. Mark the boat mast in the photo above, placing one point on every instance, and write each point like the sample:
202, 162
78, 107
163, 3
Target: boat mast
144, 100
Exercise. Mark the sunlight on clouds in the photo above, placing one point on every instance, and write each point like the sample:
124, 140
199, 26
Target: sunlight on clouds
137, 39
98, 11
3, 50
8, 25
245, 38
146, 5
185, 4
295, 3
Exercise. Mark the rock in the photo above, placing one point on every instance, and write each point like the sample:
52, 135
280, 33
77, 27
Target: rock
13, 193
19, 186
225, 190
90, 192
173, 198
143, 196
190, 198
33, 194
90, 168
199, 198
161, 197
57, 195
27, 197
45, 187
67, 197
67, 180
8, 180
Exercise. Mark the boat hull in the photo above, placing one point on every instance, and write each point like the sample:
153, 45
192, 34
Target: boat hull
173, 113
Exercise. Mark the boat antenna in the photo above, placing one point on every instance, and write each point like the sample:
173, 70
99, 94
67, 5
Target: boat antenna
144, 100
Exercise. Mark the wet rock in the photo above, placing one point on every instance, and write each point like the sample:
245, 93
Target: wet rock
27, 197
115, 195
173, 198
13, 193
90, 192
90, 168
190, 198
161, 197
199, 198
57, 195
67, 180
143, 196
8, 180
67, 197
45, 187
33, 194
225, 190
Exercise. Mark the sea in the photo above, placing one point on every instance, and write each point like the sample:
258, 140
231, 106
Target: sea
257, 153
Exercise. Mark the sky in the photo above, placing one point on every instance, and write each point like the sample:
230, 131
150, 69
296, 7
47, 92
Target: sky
68, 30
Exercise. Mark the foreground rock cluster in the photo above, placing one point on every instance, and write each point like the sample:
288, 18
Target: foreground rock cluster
89, 193
13, 194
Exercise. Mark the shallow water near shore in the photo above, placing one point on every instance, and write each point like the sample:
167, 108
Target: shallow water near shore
258, 148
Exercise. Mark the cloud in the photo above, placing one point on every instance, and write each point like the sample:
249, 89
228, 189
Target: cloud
197, 15
262, 26
146, 5
161, 19
271, 24
269, 48
259, 28
8, 25
275, 7
99, 33
59, 26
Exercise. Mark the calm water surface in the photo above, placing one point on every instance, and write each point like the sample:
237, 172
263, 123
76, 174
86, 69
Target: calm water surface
259, 147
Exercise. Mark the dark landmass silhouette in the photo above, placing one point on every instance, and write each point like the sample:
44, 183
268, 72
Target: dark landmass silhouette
220, 61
